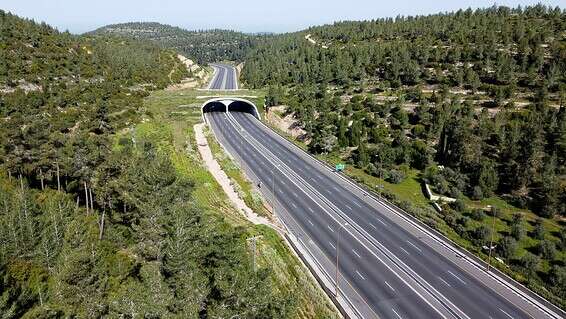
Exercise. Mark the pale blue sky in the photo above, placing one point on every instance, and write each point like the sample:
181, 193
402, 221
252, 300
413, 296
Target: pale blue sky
80, 16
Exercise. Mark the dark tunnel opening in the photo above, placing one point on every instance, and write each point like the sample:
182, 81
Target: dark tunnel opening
241, 106
214, 107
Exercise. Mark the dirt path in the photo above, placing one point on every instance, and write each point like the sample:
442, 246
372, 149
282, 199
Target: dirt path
223, 179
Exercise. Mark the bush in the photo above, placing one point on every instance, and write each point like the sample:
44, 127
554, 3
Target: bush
395, 177
464, 221
481, 235
539, 229
459, 206
558, 276
546, 249
419, 130
517, 231
477, 193
507, 247
530, 263
562, 237
478, 214
450, 218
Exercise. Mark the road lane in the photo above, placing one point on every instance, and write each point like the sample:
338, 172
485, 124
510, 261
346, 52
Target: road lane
373, 272
224, 77
473, 298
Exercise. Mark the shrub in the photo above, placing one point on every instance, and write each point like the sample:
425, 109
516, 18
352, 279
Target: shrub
463, 221
477, 193
478, 214
450, 218
539, 229
530, 263
507, 247
419, 130
459, 206
517, 231
562, 237
546, 249
558, 276
481, 235
395, 177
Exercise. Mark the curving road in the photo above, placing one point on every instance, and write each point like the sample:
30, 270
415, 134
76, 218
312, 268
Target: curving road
389, 266
224, 77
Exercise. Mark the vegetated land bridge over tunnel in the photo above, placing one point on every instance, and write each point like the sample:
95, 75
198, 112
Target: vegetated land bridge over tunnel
229, 104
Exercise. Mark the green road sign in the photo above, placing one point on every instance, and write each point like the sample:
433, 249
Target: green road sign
340, 167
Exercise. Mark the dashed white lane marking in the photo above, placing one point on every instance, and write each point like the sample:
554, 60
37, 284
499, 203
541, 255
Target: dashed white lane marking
398, 316
332, 245
294, 206
372, 225
356, 203
347, 206
417, 248
444, 281
456, 277
335, 188
332, 230
295, 194
312, 211
388, 285
283, 182
403, 249
382, 222
508, 315
310, 222
357, 272
356, 253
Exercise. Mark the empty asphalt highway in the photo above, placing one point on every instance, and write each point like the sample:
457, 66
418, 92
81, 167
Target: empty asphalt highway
224, 77
389, 268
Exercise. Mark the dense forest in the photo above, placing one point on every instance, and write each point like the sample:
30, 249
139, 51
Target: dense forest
474, 101
92, 225
202, 46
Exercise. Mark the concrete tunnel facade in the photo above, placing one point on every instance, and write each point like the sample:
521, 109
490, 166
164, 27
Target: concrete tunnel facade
226, 104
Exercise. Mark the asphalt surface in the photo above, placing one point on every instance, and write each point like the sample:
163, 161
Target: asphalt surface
393, 271
224, 77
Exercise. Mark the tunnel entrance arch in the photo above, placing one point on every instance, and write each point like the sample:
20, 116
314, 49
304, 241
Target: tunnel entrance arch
214, 106
229, 104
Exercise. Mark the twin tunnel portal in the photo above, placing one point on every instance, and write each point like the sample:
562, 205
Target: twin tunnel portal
229, 104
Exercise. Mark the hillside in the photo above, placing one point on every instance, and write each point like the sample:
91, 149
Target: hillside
470, 102
105, 209
203, 45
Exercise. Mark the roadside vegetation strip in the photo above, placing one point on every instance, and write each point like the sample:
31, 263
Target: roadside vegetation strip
424, 214
230, 187
289, 274
244, 187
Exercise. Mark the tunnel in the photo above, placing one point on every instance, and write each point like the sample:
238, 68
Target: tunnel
243, 106
214, 106
232, 104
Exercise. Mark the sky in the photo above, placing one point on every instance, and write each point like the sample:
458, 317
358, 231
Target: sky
79, 16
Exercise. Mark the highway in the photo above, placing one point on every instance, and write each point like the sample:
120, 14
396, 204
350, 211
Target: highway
224, 77
388, 267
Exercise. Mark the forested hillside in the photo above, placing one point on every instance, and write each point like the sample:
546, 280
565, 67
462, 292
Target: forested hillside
203, 46
95, 218
470, 102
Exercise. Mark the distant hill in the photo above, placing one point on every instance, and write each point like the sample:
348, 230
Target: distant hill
202, 45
